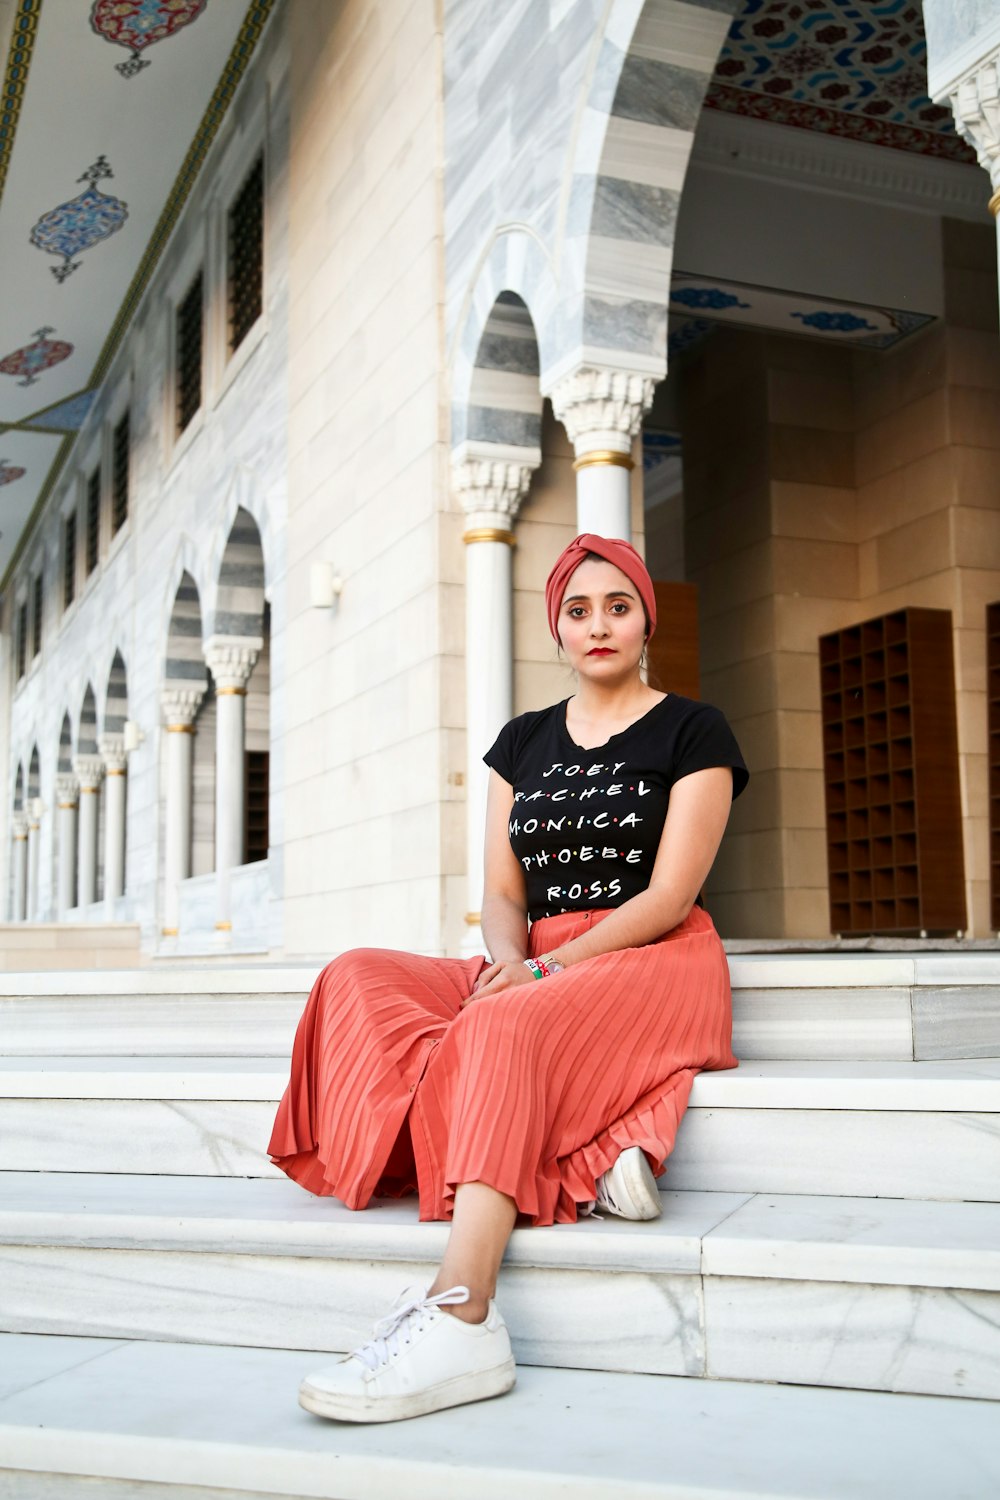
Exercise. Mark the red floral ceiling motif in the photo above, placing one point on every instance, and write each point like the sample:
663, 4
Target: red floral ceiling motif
10, 472
852, 70
138, 24
32, 359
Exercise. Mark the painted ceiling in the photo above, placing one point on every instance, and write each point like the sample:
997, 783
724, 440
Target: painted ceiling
107, 112
858, 71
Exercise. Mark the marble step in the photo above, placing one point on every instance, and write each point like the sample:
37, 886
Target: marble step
884, 1295
792, 1006
200, 1421
920, 1130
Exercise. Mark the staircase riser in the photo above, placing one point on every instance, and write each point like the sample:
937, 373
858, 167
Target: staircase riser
920, 1340
891, 1154
798, 1025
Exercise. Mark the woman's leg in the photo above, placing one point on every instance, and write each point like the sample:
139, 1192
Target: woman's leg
480, 1228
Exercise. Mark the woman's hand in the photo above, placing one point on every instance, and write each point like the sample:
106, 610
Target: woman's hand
498, 977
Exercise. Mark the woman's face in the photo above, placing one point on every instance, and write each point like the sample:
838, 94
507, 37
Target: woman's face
602, 624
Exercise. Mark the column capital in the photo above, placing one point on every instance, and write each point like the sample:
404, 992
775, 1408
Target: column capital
602, 409
975, 103
112, 748
231, 659
180, 705
490, 491
19, 825
89, 771
67, 789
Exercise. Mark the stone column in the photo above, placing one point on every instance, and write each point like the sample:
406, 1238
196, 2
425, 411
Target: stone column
34, 852
490, 493
180, 706
19, 829
602, 411
114, 758
89, 770
67, 797
975, 103
231, 659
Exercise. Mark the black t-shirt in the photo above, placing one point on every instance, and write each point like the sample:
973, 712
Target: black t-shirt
586, 824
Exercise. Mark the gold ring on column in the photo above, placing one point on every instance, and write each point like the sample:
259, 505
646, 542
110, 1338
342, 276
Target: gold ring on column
994, 204
488, 534
473, 918
230, 692
113, 772
223, 926
168, 931
68, 806
604, 456
180, 729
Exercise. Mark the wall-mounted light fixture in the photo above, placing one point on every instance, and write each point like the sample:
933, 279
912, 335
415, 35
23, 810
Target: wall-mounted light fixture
132, 736
325, 585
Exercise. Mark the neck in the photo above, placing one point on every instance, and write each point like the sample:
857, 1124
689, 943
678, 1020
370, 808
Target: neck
611, 700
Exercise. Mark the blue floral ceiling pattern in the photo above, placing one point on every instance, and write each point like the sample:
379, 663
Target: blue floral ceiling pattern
854, 70
782, 312
83, 222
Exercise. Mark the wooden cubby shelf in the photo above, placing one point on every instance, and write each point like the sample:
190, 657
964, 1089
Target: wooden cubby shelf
993, 753
890, 756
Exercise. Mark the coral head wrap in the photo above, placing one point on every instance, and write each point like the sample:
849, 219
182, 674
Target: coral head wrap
621, 554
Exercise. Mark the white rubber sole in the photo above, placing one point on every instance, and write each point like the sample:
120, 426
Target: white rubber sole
636, 1185
477, 1386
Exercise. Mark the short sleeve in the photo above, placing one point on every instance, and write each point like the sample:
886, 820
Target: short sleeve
500, 757
705, 739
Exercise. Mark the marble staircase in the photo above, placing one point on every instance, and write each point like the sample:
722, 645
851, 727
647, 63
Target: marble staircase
824, 1281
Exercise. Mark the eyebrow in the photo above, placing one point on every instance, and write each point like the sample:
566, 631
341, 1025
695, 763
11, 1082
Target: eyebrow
615, 594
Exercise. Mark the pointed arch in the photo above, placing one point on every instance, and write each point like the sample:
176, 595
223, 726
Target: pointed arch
19, 788
116, 697
64, 765
86, 743
34, 775
185, 665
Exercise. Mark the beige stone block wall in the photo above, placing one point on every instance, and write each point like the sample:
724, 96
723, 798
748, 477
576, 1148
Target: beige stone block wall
374, 816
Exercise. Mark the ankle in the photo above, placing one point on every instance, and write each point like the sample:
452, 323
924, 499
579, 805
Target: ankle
473, 1311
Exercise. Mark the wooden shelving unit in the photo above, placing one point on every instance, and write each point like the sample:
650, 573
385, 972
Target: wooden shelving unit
993, 710
255, 824
890, 753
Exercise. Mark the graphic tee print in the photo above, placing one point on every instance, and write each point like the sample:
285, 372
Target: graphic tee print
586, 824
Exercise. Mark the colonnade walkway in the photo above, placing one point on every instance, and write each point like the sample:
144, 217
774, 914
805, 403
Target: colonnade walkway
816, 1314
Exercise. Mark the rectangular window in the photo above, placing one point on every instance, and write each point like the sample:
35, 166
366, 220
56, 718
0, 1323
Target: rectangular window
245, 255
255, 805
189, 354
36, 639
93, 519
22, 639
120, 447
69, 559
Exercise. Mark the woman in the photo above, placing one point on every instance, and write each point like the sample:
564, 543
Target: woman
552, 1079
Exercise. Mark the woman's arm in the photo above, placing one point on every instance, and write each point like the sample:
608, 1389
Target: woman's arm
504, 917
696, 820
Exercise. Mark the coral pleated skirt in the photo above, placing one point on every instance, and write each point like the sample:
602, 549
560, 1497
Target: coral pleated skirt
396, 1088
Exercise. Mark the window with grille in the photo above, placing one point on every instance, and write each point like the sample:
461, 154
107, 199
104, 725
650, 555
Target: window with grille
120, 445
22, 639
245, 256
189, 354
36, 635
69, 559
255, 805
93, 519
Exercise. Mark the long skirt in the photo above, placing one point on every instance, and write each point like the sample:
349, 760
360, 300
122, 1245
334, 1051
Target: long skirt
535, 1091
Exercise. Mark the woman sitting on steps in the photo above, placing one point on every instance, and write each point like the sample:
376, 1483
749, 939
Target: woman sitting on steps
552, 1079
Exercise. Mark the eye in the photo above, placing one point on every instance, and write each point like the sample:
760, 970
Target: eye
621, 606
575, 611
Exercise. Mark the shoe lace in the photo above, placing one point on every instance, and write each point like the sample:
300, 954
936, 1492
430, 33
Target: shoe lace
397, 1328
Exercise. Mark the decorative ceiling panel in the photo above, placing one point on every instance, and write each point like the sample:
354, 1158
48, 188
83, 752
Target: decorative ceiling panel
708, 300
108, 109
858, 71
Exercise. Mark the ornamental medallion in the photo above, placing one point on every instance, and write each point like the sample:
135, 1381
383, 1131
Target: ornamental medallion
9, 472
138, 24
32, 359
84, 221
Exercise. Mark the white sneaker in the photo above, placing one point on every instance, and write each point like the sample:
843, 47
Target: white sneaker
629, 1189
419, 1360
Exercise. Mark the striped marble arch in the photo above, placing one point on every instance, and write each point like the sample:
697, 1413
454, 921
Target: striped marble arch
185, 668
239, 604
639, 126
64, 765
116, 698
87, 737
